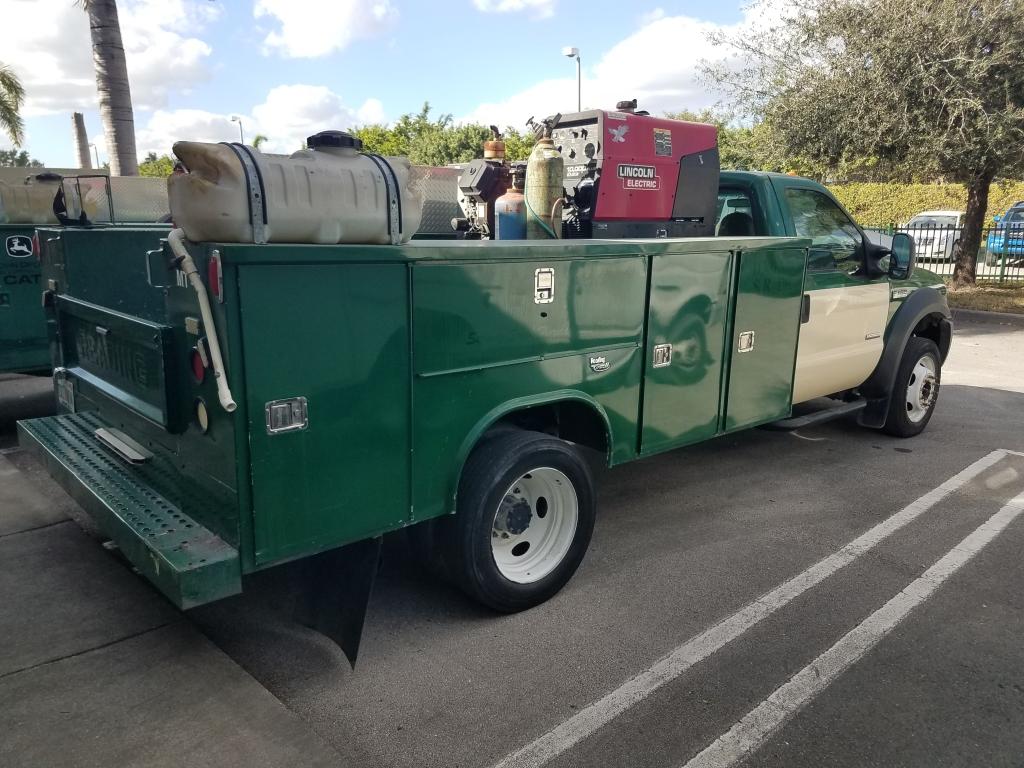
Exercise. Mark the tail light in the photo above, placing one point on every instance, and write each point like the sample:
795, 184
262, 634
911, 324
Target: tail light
199, 361
214, 278
36, 250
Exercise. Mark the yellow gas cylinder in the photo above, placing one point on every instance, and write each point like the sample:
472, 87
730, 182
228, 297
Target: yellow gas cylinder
544, 173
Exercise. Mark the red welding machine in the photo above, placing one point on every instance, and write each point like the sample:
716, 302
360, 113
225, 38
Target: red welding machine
628, 174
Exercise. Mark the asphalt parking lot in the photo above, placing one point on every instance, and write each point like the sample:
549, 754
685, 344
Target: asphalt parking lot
830, 596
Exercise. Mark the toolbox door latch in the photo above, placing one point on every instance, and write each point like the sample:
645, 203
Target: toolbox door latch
288, 415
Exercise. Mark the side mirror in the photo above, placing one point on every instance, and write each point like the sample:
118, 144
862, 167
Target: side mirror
901, 256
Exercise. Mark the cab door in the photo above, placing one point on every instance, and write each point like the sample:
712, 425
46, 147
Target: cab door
844, 313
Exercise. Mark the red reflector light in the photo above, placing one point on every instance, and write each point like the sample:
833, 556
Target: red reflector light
198, 366
36, 250
213, 278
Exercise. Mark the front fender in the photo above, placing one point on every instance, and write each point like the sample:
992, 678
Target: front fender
922, 303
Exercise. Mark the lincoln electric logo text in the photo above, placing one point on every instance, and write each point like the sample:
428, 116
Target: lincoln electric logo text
109, 355
639, 176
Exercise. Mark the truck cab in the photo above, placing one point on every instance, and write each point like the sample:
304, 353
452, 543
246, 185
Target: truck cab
851, 292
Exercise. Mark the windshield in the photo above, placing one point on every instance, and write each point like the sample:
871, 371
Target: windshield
1014, 216
933, 221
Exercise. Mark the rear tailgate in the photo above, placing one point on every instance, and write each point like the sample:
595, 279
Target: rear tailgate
127, 358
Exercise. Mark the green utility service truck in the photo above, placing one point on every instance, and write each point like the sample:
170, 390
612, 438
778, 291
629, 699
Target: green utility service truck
457, 388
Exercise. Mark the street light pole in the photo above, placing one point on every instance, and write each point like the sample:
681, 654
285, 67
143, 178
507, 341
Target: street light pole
241, 136
574, 53
96, 152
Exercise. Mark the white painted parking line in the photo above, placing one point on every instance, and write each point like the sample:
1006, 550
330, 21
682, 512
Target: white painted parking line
767, 717
598, 714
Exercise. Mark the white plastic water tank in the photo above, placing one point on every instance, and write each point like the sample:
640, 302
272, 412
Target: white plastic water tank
30, 202
329, 193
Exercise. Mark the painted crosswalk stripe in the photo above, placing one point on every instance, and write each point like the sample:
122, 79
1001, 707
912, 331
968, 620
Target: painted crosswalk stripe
601, 712
768, 716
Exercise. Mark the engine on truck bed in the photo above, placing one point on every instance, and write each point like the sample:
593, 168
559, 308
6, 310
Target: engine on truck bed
625, 174
628, 174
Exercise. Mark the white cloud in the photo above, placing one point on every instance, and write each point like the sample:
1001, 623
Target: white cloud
371, 112
286, 117
290, 113
658, 64
541, 8
47, 43
652, 16
318, 27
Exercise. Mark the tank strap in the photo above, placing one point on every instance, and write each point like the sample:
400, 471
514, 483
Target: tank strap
255, 189
394, 197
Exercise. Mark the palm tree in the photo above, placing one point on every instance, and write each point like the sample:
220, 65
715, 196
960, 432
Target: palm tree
258, 140
12, 95
115, 95
81, 140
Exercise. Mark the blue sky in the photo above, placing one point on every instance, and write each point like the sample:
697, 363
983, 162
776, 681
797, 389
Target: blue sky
293, 67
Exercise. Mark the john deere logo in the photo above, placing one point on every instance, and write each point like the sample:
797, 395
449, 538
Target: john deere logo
19, 246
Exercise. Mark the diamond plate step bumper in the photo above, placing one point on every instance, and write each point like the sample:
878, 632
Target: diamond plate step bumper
187, 562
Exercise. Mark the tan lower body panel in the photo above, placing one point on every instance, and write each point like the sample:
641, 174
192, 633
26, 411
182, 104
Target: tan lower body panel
842, 342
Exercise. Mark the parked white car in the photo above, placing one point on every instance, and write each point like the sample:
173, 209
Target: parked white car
935, 233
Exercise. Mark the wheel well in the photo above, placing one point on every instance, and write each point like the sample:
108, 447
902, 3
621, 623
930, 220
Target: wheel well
936, 328
571, 420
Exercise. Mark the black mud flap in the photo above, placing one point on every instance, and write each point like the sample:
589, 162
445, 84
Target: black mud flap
335, 592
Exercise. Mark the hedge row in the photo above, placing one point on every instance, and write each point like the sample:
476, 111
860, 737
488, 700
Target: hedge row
883, 204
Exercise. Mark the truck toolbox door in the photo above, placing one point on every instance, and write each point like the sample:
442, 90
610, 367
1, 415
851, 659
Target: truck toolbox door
337, 338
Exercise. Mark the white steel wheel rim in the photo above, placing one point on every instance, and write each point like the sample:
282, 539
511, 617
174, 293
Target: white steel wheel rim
527, 547
922, 388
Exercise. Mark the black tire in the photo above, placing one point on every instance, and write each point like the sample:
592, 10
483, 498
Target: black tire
899, 421
493, 467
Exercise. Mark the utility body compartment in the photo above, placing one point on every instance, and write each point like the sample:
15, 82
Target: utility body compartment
364, 375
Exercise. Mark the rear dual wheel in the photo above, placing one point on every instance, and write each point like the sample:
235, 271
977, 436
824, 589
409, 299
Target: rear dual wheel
524, 516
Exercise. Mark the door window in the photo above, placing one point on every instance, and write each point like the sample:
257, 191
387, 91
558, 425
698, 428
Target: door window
836, 243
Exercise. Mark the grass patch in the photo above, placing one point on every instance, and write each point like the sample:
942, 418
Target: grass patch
989, 297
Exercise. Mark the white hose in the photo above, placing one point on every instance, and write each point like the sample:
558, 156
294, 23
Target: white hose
176, 239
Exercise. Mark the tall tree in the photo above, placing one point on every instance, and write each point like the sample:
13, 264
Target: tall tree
115, 95
438, 142
12, 96
924, 87
81, 140
18, 159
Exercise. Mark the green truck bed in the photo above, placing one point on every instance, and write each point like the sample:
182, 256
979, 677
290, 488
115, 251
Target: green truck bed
404, 356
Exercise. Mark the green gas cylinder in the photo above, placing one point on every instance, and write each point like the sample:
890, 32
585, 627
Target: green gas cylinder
544, 172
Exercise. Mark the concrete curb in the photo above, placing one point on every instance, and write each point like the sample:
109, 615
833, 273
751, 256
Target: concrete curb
979, 316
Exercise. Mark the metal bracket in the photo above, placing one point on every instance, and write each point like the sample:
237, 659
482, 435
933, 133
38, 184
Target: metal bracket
394, 199
254, 186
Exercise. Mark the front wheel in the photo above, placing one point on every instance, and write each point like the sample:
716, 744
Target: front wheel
524, 516
916, 390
